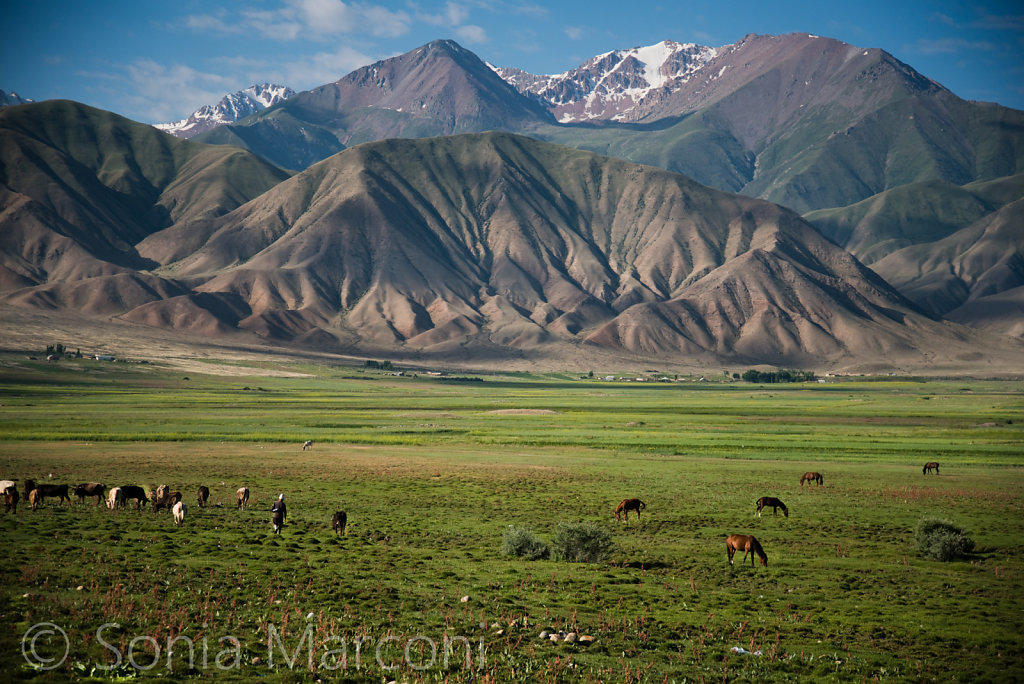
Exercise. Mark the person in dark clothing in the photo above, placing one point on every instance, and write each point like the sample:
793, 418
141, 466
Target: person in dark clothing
279, 511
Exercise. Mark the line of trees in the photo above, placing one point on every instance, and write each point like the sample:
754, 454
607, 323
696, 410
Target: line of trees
768, 377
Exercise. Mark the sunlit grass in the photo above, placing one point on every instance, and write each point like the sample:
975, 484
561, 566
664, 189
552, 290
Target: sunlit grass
431, 477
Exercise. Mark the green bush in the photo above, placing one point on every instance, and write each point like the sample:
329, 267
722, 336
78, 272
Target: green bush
581, 543
941, 540
522, 542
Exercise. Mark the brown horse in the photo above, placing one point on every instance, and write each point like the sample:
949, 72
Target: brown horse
766, 501
627, 505
748, 544
930, 465
812, 477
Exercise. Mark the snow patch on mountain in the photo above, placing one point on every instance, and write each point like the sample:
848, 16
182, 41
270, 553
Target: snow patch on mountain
12, 98
231, 108
614, 85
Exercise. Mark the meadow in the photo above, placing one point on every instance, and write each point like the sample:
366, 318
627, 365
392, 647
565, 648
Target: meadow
432, 471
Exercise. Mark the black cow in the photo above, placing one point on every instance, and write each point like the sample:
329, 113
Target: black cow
204, 494
46, 490
339, 521
137, 493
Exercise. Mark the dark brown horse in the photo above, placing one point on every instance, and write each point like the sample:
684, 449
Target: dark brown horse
766, 501
627, 505
812, 477
930, 465
748, 544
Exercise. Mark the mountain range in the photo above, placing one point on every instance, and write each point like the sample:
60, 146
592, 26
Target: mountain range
403, 229
230, 109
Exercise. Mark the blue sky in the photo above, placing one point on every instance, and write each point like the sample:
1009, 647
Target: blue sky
159, 61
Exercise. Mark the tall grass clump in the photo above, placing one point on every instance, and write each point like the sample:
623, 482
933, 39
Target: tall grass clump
523, 543
942, 540
581, 543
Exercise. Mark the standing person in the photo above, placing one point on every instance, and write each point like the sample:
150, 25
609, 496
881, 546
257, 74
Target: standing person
279, 511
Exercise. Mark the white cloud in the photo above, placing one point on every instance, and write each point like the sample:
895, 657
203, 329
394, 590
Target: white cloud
471, 33
297, 19
946, 46
573, 32
167, 93
321, 68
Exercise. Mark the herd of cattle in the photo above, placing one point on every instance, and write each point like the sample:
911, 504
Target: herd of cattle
119, 497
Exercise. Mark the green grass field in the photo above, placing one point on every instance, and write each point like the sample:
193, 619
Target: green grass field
431, 471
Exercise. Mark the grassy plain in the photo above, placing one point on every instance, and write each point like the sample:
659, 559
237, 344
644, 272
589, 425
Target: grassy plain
431, 471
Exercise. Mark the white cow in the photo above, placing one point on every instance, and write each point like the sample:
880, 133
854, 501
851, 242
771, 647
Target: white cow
179, 512
115, 498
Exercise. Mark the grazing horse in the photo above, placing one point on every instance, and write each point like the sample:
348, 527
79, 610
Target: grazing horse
339, 521
766, 501
627, 505
930, 465
812, 477
242, 496
203, 495
308, 444
736, 542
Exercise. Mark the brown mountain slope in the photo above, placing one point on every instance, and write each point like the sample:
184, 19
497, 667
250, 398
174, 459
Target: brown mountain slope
501, 242
974, 276
79, 187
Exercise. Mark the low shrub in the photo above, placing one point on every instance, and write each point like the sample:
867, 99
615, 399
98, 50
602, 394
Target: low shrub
581, 543
522, 542
942, 540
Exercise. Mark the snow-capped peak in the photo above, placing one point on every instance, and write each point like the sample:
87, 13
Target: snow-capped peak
12, 98
615, 84
231, 108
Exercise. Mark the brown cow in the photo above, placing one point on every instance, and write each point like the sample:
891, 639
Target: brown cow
90, 489
166, 501
243, 496
627, 505
203, 495
11, 498
33, 499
